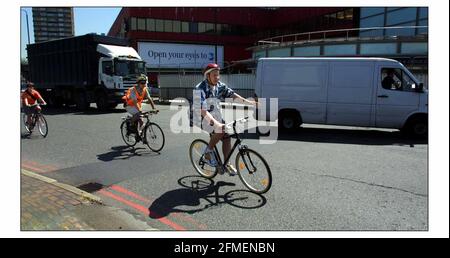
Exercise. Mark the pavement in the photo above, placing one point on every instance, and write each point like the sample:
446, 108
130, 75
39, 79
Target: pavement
48, 205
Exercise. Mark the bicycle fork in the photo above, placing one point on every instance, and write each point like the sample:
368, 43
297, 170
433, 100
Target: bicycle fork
246, 159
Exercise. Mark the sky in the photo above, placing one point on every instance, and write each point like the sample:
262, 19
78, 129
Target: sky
86, 19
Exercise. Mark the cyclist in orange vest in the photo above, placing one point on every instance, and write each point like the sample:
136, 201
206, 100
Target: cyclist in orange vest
133, 101
29, 98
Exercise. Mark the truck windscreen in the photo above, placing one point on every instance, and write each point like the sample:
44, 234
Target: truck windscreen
126, 67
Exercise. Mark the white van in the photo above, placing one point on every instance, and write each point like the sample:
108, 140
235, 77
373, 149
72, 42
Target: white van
343, 91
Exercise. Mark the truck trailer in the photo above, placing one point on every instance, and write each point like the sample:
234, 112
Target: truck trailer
84, 69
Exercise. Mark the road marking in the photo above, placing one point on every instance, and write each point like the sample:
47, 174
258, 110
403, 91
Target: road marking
141, 209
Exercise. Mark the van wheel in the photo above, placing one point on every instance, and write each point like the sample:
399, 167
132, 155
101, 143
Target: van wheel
288, 120
417, 127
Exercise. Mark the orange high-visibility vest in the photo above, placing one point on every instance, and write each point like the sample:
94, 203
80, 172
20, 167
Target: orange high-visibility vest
139, 98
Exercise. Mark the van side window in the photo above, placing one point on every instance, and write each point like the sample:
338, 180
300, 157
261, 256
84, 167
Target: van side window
396, 79
107, 67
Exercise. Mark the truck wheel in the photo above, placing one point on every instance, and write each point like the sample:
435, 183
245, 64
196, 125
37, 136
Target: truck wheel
289, 120
81, 101
417, 127
102, 101
56, 102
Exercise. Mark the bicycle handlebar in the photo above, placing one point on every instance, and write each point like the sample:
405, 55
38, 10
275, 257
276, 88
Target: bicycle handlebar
37, 104
233, 124
151, 112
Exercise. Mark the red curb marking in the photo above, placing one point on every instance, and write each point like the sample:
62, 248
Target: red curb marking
141, 209
140, 198
34, 169
38, 167
49, 167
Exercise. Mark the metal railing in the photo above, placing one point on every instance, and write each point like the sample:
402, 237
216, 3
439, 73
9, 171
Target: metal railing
309, 36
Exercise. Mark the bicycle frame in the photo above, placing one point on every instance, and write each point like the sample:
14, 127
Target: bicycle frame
237, 144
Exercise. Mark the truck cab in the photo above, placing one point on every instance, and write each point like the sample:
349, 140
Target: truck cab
118, 68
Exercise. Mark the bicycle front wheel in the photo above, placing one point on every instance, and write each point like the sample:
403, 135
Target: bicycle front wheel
42, 125
155, 137
253, 171
196, 151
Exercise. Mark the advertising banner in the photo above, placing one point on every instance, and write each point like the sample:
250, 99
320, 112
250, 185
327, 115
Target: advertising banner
171, 55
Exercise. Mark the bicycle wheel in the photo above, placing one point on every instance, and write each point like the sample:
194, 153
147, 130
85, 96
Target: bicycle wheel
154, 136
253, 171
196, 151
24, 117
128, 138
41, 122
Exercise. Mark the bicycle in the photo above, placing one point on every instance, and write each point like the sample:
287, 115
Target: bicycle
37, 118
257, 176
152, 135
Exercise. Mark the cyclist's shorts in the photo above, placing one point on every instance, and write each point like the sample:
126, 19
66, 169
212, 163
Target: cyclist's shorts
29, 110
132, 110
226, 135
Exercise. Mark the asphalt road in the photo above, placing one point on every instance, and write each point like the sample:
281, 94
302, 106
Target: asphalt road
324, 178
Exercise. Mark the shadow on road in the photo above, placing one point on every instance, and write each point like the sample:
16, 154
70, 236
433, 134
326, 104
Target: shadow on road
342, 136
124, 152
195, 190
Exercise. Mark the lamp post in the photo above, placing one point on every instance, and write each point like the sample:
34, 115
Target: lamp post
28, 28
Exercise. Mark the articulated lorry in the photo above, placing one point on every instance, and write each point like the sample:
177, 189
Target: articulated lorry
84, 69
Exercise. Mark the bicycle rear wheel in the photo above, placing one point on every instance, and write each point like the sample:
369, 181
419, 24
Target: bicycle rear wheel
42, 125
253, 171
154, 136
128, 138
196, 151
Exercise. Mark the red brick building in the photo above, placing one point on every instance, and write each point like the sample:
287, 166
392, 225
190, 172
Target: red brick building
227, 31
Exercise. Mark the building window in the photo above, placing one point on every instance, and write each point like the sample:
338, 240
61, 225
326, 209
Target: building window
340, 50
423, 12
349, 14
401, 16
282, 52
141, 24
193, 27
168, 26
340, 15
369, 11
209, 28
177, 26
378, 49
201, 27
133, 23
159, 25
218, 28
423, 30
414, 48
150, 24
307, 51
402, 32
374, 21
184, 26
